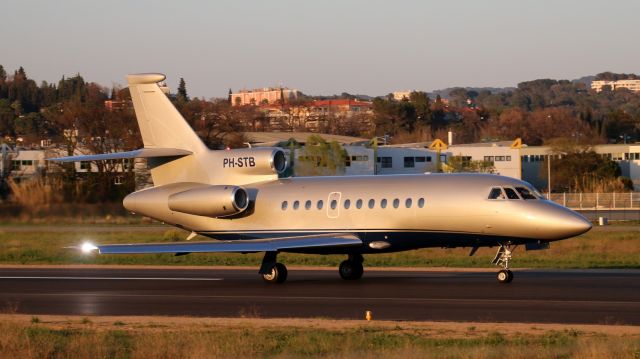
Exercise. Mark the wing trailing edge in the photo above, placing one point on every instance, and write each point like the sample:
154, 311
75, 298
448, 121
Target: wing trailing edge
139, 153
236, 246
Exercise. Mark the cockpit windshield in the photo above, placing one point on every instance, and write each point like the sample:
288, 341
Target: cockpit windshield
511, 194
525, 193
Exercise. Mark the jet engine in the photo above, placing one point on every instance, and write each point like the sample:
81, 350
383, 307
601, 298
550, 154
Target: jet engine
254, 161
210, 201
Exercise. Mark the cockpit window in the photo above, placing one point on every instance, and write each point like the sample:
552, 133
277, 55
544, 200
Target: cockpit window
496, 193
525, 193
511, 193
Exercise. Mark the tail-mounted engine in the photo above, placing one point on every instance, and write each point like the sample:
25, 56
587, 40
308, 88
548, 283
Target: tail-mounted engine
210, 201
254, 161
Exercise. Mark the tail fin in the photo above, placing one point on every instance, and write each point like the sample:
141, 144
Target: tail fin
161, 125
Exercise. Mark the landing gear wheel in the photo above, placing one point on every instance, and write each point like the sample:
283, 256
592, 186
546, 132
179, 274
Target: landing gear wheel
505, 276
278, 274
351, 270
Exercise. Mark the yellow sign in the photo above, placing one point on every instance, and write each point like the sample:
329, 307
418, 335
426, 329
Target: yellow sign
517, 143
438, 145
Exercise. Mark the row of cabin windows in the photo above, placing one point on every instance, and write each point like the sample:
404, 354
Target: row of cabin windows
408, 203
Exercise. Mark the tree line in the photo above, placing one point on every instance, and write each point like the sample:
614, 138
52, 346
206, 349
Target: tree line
72, 113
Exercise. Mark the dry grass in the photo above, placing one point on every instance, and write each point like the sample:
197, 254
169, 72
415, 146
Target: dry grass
35, 194
157, 337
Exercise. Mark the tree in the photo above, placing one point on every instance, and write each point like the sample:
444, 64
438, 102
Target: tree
422, 104
466, 164
182, 96
320, 158
577, 168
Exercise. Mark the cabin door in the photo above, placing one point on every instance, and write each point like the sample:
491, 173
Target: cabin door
333, 204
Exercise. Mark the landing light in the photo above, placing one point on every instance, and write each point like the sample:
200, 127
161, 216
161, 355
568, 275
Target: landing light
88, 247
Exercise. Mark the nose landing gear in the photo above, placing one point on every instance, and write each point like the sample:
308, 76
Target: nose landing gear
502, 259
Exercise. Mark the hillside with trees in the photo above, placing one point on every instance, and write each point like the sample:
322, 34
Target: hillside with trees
74, 113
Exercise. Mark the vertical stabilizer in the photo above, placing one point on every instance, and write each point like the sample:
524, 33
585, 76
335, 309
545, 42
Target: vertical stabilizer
162, 126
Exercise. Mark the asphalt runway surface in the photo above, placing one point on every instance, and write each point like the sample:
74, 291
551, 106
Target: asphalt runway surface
543, 296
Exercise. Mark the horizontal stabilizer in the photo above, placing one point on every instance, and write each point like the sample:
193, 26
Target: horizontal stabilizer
140, 153
236, 246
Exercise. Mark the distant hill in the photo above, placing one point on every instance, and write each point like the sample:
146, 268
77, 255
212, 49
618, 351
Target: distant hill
584, 80
444, 93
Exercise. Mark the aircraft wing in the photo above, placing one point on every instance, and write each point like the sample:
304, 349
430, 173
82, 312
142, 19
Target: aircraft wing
237, 246
139, 153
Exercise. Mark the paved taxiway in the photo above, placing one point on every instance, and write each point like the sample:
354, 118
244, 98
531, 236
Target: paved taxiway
555, 296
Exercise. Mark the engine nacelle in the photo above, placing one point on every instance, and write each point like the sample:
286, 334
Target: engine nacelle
210, 201
254, 161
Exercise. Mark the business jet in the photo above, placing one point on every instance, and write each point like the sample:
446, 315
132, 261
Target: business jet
237, 198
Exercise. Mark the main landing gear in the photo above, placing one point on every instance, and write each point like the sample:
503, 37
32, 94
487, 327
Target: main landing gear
272, 271
351, 269
502, 259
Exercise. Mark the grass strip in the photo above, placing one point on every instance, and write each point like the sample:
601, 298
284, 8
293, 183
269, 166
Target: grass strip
595, 249
156, 337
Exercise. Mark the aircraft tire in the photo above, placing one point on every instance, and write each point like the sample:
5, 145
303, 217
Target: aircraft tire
278, 274
505, 276
351, 270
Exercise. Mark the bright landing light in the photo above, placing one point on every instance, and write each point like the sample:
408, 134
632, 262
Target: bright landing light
88, 247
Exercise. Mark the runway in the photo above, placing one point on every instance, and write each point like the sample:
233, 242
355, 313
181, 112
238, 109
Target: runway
553, 296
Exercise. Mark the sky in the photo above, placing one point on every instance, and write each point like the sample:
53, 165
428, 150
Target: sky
321, 47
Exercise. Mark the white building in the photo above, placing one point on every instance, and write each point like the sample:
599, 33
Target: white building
633, 85
401, 95
404, 160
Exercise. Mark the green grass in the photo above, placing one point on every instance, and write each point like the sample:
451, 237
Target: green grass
596, 249
42, 341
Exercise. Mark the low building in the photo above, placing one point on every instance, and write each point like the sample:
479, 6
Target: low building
263, 96
401, 95
633, 85
405, 160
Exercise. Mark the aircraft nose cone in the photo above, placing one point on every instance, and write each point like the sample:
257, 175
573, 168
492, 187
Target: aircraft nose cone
567, 223
576, 224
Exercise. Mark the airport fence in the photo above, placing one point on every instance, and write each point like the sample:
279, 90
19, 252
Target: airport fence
598, 201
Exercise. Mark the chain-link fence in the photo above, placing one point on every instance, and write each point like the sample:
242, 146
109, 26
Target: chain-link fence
598, 201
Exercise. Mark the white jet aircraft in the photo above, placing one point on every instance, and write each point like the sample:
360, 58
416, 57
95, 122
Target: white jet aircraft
237, 198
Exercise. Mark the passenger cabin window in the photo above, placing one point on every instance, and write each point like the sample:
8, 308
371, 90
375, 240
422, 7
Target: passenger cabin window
421, 203
347, 204
511, 193
320, 204
525, 193
284, 205
334, 204
296, 204
408, 203
496, 193
396, 203
383, 203
307, 205
359, 204
372, 203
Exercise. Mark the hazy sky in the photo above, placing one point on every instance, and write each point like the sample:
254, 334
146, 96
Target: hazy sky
321, 47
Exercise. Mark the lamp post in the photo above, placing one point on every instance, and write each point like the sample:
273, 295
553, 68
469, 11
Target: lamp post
549, 176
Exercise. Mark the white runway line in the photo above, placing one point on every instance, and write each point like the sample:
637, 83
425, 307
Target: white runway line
114, 278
